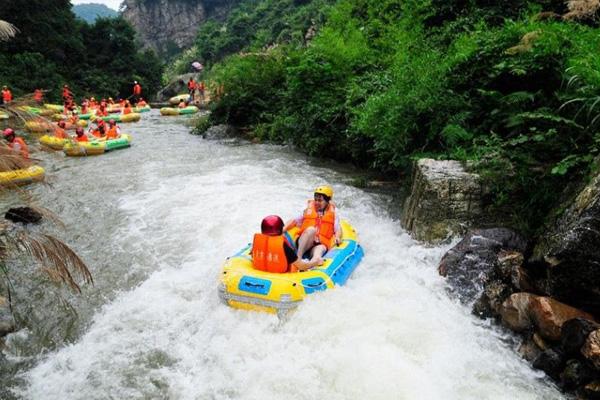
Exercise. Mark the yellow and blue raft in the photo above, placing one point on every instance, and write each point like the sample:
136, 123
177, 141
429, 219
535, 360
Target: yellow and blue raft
247, 288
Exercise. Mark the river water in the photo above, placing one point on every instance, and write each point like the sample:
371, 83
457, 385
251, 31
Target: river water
156, 221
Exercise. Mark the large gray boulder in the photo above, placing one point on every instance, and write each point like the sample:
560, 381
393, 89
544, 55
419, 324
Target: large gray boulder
570, 251
176, 87
445, 200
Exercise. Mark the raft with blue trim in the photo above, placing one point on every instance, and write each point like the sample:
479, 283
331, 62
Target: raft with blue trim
247, 288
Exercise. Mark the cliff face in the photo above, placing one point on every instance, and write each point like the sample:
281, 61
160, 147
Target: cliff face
168, 26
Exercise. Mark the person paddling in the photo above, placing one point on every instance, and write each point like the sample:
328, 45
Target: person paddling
113, 130
80, 135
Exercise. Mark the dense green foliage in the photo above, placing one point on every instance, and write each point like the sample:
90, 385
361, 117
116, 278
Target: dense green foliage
92, 11
385, 82
54, 48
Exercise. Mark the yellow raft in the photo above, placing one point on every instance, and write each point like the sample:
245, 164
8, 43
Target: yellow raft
247, 288
179, 111
35, 173
53, 142
39, 126
73, 148
177, 99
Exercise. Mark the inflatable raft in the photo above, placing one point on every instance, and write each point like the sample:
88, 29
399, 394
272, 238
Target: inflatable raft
179, 111
39, 126
3, 115
133, 117
35, 173
247, 288
53, 142
96, 147
142, 109
177, 99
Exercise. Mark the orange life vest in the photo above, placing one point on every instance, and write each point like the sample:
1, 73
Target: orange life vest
60, 133
268, 254
37, 95
97, 133
7, 95
127, 110
22, 145
137, 89
191, 85
81, 138
325, 224
112, 133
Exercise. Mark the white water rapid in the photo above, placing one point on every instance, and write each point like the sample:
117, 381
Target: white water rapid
155, 223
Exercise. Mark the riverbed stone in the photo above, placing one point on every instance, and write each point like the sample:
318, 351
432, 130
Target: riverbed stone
551, 362
445, 200
591, 391
549, 315
25, 215
474, 263
570, 250
515, 311
575, 374
7, 322
574, 333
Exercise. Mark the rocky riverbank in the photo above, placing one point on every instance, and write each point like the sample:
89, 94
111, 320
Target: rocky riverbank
545, 289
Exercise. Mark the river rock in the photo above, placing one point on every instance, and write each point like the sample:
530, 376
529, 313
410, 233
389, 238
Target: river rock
222, 131
471, 263
575, 374
591, 391
25, 215
574, 333
445, 200
551, 362
176, 87
571, 251
7, 322
591, 348
522, 311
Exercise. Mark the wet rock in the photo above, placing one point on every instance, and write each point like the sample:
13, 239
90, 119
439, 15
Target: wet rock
591, 391
522, 311
176, 87
550, 361
471, 263
515, 311
571, 253
549, 316
490, 302
591, 348
574, 333
7, 322
575, 374
25, 215
445, 200
529, 350
222, 131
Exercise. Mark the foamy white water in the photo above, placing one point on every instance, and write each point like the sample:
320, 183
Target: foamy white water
179, 205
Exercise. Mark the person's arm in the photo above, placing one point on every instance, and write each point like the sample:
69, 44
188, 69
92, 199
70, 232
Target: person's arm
292, 223
337, 229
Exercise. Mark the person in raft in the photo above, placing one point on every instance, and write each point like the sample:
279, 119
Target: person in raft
272, 253
15, 143
80, 135
319, 224
113, 130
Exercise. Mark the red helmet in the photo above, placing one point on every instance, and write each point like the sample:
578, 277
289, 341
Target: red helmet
112, 122
79, 131
8, 132
62, 124
272, 225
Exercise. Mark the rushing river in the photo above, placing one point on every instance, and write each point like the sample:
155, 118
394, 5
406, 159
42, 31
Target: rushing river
156, 221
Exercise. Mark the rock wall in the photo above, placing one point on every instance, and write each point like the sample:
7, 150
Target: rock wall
445, 200
167, 25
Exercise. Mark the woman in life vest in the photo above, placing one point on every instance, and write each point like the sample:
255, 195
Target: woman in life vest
80, 136
272, 253
127, 108
142, 103
60, 131
113, 130
6, 95
319, 224
100, 130
16, 143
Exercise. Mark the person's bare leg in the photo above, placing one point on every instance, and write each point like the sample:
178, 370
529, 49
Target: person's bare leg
317, 253
306, 240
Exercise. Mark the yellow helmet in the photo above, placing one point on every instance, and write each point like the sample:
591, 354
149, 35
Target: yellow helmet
325, 190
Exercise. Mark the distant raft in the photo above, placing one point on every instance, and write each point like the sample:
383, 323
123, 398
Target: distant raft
142, 109
96, 147
242, 286
35, 173
177, 99
37, 126
179, 111
132, 117
3, 115
53, 142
